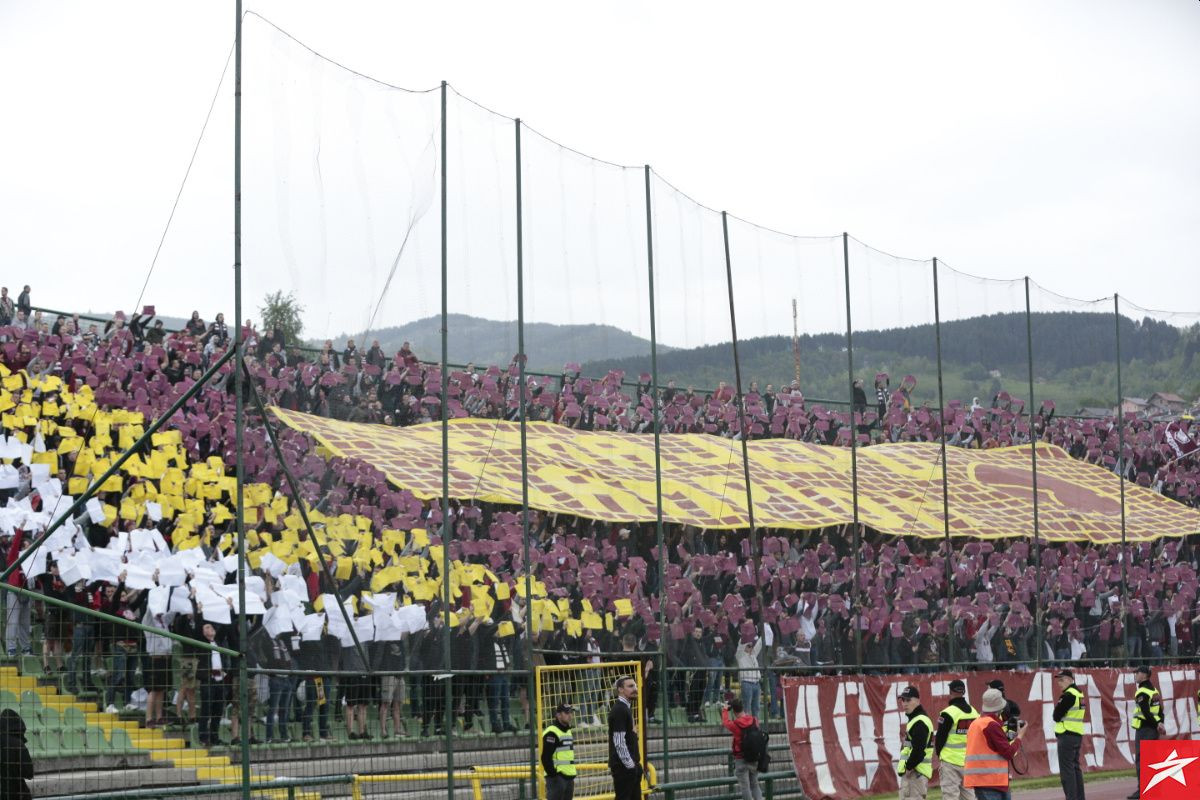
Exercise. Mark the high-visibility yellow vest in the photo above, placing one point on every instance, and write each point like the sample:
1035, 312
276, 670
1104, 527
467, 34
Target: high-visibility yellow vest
984, 766
954, 751
1151, 696
1073, 721
925, 767
564, 756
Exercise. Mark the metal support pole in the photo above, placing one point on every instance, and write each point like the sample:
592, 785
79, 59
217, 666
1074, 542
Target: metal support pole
531, 689
1121, 464
755, 544
322, 557
95, 485
664, 688
239, 413
446, 529
1033, 443
856, 544
937, 331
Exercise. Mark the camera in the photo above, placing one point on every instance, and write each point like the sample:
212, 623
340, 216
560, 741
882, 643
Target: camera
1012, 719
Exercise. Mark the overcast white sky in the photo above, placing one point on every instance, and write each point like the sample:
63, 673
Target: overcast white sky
1050, 139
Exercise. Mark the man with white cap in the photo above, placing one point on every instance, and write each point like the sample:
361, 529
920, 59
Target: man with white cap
989, 752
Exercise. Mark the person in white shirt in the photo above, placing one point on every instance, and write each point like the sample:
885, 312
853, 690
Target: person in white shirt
749, 675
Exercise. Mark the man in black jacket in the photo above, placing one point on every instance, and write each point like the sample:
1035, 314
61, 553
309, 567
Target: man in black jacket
1147, 717
624, 752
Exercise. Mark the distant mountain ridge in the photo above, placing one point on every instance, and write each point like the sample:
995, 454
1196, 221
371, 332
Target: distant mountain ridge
484, 342
1074, 356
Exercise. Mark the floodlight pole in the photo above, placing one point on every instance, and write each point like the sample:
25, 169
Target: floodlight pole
937, 330
662, 677
1039, 639
857, 544
755, 544
239, 414
446, 528
1121, 465
531, 677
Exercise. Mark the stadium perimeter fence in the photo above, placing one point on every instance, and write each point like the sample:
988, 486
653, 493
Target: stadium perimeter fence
376, 206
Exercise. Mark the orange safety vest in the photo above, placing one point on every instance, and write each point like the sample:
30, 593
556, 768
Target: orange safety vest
984, 766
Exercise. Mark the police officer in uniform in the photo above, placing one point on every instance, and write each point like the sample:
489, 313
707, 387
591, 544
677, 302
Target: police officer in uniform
950, 743
915, 767
1069, 715
1147, 718
558, 755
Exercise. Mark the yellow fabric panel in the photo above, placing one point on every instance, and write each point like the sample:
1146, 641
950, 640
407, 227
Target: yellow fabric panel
796, 485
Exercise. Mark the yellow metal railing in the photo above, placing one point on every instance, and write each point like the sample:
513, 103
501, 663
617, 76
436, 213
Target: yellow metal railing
476, 776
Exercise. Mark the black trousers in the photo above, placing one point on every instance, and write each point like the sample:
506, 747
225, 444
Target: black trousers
695, 692
627, 784
1142, 734
560, 788
1069, 771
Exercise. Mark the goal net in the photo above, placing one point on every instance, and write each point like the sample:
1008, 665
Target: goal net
589, 688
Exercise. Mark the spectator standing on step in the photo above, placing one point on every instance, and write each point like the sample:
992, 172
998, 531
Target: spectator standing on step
23, 301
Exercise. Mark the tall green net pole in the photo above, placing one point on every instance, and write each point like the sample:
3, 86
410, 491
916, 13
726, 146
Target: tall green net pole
1033, 443
528, 632
1123, 469
664, 687
447, 596
755, 554
937, 330
853, 455
239, 420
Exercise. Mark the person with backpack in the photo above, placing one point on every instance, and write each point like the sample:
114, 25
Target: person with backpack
749, 748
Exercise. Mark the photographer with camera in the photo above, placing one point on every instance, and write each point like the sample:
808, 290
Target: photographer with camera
749, 747
989, 751
1011, 716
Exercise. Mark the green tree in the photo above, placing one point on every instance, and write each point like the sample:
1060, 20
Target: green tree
282, 312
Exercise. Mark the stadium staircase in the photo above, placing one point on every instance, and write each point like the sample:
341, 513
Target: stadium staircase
78, 748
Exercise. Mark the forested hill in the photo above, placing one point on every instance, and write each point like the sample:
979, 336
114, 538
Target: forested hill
1074, 358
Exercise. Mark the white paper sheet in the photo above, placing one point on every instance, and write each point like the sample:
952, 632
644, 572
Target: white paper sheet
137, 577
277, 621
310, 631
181, 602
411, 619
95, 510
272, 565
158, 600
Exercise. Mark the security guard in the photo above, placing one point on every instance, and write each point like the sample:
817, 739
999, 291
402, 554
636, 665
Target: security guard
558, 755
1069, 715
950, 743
1147, 718
914, 767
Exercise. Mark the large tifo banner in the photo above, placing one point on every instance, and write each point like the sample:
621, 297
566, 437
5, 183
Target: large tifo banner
845, 732
797, 485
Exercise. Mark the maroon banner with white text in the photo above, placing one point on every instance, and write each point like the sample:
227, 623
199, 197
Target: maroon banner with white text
845, 732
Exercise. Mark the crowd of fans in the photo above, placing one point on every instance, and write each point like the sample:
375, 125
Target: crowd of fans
806, 602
